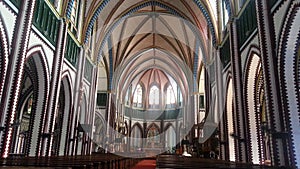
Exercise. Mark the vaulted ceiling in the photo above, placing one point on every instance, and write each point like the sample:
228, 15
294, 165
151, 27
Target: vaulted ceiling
131, 34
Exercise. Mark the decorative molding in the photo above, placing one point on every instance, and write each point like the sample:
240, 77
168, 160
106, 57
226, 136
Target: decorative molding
288, 53
242, 149
16, 67
208, 20
4, 54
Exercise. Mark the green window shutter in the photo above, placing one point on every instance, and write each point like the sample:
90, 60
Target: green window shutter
225, 53
17, 3
72, 51
46, 21
101, 99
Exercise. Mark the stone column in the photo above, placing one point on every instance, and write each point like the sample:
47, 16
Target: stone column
239, 115
16, 64
221, 103
93, 100
108, 120
275, 118
196, 107
77, 99
144, 136
129, 132
4, 52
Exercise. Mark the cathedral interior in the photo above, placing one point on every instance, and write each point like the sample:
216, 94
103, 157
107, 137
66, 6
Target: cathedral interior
110, 83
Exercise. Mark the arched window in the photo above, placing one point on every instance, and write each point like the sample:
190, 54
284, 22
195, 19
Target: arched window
74, 12
57, 4
241, 3
224, 15
213, 5
170, 97
154, 97
138, 96
127, 98
74, 17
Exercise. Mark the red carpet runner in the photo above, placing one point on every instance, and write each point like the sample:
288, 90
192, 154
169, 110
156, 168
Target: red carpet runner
145, 164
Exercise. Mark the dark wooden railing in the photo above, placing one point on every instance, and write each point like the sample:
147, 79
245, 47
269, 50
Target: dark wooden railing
94, 161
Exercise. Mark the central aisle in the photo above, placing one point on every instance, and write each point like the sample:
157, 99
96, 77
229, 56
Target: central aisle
145, 164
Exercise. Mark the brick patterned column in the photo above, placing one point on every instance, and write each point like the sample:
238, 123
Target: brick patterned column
278, 137
55, 84
16, 64
242, 153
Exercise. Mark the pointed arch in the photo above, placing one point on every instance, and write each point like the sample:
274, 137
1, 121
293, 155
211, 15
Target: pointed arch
36, 69
100, 128
154, 96
229, 133
170, 96
138, 95
153, 133
288, 66
138, 125
67, 115
169, 125
252, 69
136, 136
170, 137
153, 125
4, 52
42, 67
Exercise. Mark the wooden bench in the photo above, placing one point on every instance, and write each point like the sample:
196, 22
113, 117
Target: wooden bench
95, 161
180, 162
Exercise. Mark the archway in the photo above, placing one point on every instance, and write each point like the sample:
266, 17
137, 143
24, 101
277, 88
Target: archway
136, 137
99, 133
251, 76
288, 56
61, 120
230, 122
81, 132
3, 60
31, 106
170, 139
153, 136
258, 130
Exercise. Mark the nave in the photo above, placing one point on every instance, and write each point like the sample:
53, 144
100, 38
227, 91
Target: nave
92, 83
111, 161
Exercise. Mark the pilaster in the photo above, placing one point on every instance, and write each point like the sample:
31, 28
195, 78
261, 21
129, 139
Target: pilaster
46, 137
16, 64
278, 137
93, 99
240, 128
77, 99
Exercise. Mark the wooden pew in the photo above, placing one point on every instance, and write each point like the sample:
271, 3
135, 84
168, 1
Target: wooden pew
95, 161
180, 162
